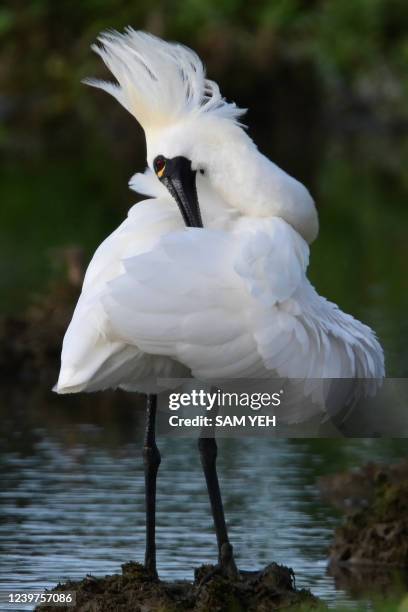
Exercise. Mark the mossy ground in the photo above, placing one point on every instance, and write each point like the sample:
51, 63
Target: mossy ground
378, 532
134, 591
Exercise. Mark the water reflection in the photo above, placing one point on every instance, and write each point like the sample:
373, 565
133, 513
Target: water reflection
72, 496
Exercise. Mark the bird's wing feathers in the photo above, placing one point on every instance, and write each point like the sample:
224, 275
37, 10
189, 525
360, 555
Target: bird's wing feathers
237, 304
92, 357
181, 300
223, 304
272, 259
145, 222
220, 304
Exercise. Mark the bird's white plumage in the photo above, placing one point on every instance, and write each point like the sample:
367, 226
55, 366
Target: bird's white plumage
230, 300
157, 82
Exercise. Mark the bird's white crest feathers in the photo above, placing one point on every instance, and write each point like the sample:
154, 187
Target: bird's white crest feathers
158, 82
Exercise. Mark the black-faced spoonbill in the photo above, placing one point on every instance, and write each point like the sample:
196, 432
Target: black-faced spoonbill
226, 296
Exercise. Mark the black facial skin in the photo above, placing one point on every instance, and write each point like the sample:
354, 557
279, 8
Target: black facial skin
180, 180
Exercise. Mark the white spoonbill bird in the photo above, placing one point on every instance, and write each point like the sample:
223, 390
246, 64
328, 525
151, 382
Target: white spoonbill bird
207, 277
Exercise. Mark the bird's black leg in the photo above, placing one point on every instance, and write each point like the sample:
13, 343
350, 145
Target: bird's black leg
208, 455
151, 458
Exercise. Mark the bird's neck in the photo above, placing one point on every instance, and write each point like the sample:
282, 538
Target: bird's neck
252, 185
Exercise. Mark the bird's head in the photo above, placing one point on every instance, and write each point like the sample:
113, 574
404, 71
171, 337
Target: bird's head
191, 131
170, 154
185, 159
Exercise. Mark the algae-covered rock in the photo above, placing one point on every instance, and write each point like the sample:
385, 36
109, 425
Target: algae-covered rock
135, 591
378, 533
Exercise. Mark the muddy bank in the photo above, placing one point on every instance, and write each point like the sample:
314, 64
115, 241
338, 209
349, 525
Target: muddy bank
375, 528
356, 489
134, 591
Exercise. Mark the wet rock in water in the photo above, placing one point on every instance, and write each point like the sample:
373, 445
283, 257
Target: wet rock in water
134, 591
378, 533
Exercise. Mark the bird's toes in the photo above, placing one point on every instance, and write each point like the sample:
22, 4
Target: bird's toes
226, 567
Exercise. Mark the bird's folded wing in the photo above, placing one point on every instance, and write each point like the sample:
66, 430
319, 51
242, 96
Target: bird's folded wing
93, 357
206, 297
146, 222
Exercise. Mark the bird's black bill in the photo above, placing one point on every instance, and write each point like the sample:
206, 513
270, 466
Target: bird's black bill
180, 180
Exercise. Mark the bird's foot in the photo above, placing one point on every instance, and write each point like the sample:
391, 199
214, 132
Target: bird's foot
151, 571
227, 562
226, 567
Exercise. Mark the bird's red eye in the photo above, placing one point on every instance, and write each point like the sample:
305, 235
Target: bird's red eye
159, 164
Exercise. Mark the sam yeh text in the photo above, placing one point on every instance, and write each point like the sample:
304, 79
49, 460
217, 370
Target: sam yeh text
258, 420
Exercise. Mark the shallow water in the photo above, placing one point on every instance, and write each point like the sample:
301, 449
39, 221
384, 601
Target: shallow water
72, 500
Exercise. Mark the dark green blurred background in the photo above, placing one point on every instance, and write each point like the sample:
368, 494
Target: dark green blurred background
326, 85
